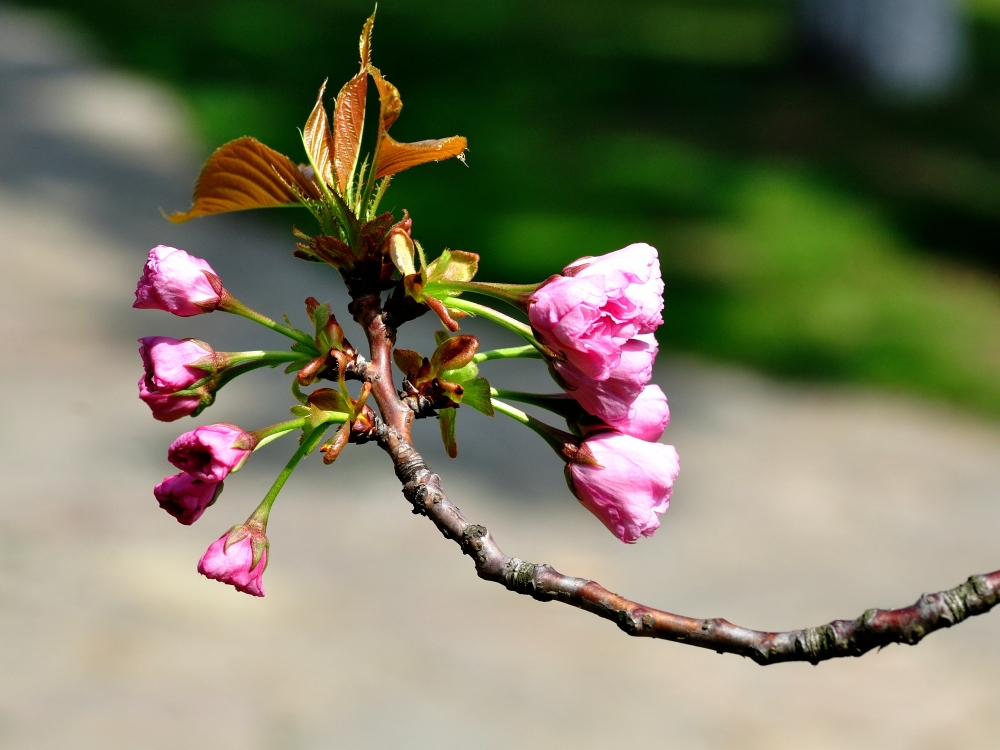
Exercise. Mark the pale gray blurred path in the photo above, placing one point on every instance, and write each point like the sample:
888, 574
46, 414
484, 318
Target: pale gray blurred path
795, 506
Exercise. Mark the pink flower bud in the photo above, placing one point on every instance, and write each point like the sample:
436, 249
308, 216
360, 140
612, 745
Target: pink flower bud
230, 559
168, 369
612, 398
597, 305
631, 486
648, 416
184, 497
175, 282
209, 453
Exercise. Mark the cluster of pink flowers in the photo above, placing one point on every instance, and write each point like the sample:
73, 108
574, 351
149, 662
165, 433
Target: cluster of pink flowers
176, 282
599, 317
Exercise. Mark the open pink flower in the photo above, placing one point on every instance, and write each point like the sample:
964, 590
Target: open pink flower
631, 486
209, 453
232, 563
612, 398
597, 305
184, 497
168, 368
175, 282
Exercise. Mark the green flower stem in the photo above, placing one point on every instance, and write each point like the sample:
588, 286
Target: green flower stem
489, 313
514, 294
232, 305
514, 352
266, 435
308, 445
262, 358
559, 403
563, 443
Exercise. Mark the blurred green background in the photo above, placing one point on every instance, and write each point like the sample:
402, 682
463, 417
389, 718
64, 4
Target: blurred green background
806, 226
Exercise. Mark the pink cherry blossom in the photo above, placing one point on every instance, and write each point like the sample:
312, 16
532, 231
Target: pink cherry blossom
209, 453
612, 398
598, 305
168, 368
186, 498
648, 416
234, 565
631, 486
175, 282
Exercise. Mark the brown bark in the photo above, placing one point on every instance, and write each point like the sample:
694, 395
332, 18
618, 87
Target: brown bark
875, 628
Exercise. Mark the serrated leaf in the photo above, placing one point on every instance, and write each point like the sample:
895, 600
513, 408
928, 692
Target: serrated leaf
446, 420
394, 157
454, 353
408, 361
477, 395
320, 317
293, 367
319, 140
300, 411
246, 174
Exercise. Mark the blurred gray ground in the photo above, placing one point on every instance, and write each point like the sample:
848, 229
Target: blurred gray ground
795, 506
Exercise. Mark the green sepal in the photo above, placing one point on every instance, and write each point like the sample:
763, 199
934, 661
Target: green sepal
300, 411
452, 265
446, 420
297, 392
236, 534
477, 395
462, 374
259, 545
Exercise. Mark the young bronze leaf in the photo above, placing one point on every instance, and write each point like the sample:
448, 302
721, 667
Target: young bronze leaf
453, 265
348, 123
246, 174
408, 361
454, 353
394, 156
319, 139
390, 103
365, 44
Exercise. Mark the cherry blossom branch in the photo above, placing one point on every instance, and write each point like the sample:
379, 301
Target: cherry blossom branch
875, 628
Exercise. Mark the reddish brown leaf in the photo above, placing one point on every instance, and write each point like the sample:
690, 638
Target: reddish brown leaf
454, 353
319, 140
348, 123
365, 45
246, 174
390, 103
394, 156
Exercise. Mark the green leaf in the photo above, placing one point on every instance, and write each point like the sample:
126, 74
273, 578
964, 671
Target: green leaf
300, 411
440, 336
477, 395
446, 419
